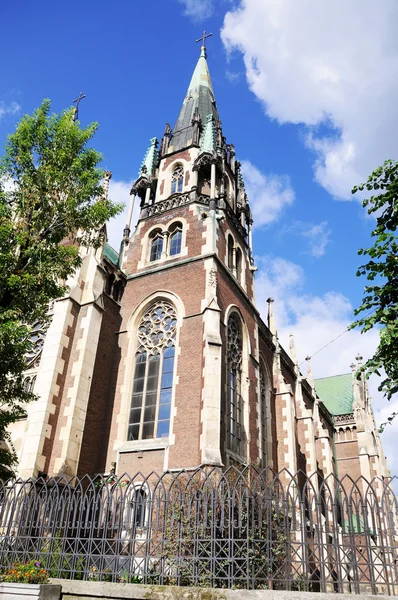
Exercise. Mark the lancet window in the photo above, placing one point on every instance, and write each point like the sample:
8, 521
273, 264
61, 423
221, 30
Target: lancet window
263, 416
153, 374
234, 400
239, 265
156, 247
230, 252
176, 241
136, 508
177, 179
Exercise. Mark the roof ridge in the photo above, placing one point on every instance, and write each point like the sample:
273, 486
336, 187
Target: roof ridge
330, 376
108, 244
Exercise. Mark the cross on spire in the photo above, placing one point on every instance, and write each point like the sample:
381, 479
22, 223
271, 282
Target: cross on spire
77, 102
203, 40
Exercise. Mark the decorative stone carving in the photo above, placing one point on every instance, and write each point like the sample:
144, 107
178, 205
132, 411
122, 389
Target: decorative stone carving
234, 342
157, 328
344, 418
37, 336
213, 277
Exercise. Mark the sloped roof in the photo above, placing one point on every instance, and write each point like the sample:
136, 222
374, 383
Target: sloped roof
111, 254
199, 95
336, 393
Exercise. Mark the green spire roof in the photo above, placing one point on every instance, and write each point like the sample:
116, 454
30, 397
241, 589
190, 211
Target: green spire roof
208, 139
148, 165
200, 95
336, 393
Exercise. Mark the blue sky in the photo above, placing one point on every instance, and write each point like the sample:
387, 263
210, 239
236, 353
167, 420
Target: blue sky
307, 99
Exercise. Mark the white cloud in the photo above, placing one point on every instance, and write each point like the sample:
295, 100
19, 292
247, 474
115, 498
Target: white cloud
198, 10
268, 194
315, 321
318, 236
11, 108
232, 76
333, 64
119, 191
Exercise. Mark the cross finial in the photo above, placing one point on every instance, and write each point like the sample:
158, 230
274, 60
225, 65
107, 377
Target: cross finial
76, 109
203, 40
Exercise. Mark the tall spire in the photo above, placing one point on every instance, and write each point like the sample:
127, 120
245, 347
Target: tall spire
200, 99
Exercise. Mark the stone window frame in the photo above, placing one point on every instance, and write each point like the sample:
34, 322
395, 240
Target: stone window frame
156, 234
156, 341
179, 185
233, 268
133, 532
163, 190
173, 230
126, 386
245, 385
165, 230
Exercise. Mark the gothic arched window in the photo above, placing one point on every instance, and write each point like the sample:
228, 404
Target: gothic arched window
263, 416
234, 400
230, 252
177, 179
156, 247
239, 265
153, 375
176, 240
136, 500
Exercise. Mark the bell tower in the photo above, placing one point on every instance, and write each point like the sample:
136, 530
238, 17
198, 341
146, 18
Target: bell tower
189, 267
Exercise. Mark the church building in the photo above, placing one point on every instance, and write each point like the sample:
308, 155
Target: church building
158, 359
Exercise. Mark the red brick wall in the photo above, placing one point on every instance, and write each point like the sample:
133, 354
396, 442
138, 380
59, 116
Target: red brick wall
188, 282
194, 239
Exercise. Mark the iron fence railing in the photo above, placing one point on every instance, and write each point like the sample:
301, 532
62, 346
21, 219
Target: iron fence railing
222, 528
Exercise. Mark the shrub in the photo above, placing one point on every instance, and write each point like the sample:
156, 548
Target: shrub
30, 572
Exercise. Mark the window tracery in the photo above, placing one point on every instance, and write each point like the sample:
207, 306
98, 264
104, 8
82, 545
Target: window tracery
177, 179
153, 376
234, 408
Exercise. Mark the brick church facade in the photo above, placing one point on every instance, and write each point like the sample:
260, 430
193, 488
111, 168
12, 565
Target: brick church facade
158, 359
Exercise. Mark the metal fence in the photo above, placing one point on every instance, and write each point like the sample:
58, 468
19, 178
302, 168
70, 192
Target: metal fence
222, 528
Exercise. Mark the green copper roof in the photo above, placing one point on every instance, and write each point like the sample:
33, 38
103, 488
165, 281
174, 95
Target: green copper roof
111, 255
355, 525
200, 95
201, 75
336, 393
150, 159
208, 139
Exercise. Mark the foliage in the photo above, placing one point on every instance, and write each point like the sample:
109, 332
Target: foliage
381, 270
51, 201
30, 572
196, 537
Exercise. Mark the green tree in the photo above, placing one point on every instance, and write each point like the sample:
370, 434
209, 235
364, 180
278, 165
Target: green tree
51, 202
381, 270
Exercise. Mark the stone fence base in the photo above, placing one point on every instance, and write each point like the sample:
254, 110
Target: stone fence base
89, 590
